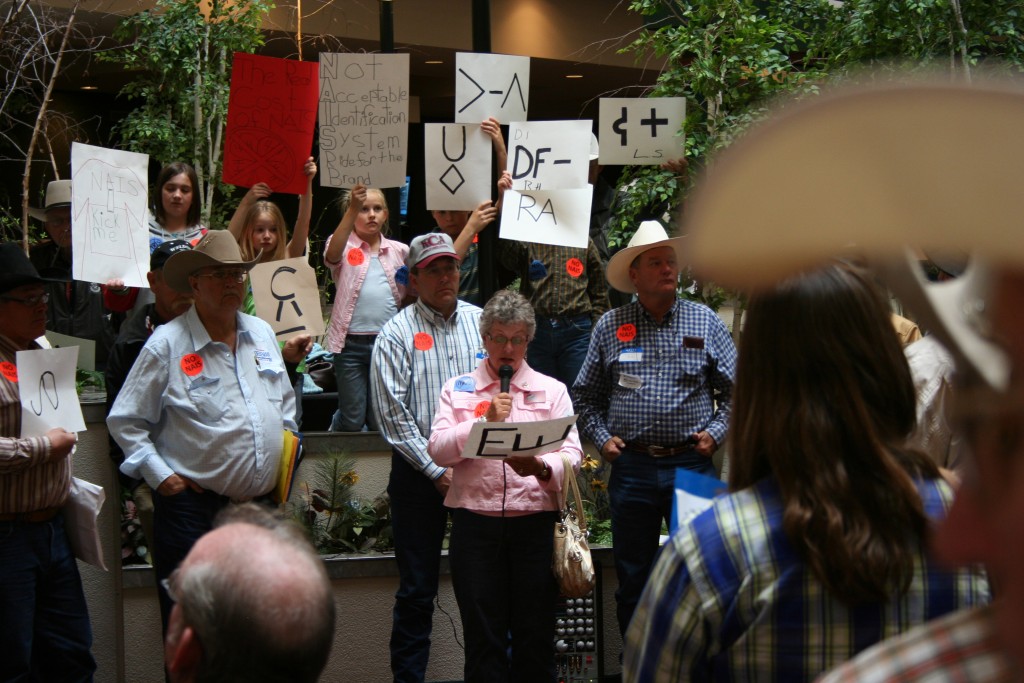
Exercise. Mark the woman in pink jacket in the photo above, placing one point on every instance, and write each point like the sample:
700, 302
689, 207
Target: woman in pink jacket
504, 512
370, 277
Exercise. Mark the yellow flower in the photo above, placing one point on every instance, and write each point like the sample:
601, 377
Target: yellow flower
599, 485
588, 464
349, 478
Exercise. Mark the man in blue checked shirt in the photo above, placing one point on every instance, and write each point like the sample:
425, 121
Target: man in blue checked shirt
654, 394
424, 345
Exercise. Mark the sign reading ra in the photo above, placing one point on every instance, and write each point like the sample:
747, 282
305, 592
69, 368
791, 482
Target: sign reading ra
287, 298
559, 217
549, 155
641, 131
491, 85
501, 440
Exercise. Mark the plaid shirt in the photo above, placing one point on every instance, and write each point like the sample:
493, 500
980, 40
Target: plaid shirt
730, 599
416, 352
959, 647
656, 383
569, 281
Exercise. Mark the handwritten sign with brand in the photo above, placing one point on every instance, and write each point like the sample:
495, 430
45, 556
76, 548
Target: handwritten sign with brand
641, 131
287, 297
46, 384
364, 119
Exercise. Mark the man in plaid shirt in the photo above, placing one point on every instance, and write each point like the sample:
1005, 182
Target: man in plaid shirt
654, 394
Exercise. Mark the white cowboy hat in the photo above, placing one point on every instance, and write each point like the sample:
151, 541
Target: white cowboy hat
650, 235
932, 165
58, 195
217, 248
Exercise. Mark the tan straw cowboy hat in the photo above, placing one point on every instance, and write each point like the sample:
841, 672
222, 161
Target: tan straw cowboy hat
217, 248
650, 235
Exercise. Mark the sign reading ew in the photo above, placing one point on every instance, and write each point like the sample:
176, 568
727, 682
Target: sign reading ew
491, 85
458, 165
500, 440
271, 119
559, 217
549, 155
109, 236
287, 298
364, 119
46, 384
641, 131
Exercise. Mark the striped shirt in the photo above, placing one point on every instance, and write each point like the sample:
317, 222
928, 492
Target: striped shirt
729, 599
559, 281
962, 646
656, 382
25, 484
416, 352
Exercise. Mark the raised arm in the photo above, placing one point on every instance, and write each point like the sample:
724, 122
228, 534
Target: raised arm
340, 237
481, 217
300, 233
493, 130
256, 192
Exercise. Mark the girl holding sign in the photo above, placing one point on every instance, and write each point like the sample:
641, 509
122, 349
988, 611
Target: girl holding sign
259, 227
370, 274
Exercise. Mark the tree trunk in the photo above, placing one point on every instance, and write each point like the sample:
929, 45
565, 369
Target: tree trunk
40, 119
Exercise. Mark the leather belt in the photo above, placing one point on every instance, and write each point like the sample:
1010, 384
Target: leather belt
660, 451
44, 515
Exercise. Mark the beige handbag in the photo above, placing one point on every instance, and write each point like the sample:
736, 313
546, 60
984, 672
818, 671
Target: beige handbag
571, 561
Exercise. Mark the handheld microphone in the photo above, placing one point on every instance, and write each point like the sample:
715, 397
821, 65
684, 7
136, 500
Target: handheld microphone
505, 373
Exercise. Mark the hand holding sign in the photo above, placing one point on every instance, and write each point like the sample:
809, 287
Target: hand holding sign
46, 385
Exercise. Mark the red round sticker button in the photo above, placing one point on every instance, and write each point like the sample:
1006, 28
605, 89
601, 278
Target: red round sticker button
9, 370
423, 341
574, 267
355, 257
481, 408
626, 333
192, 364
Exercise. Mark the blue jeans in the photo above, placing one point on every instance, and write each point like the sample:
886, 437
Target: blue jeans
47, 635
559, 346
418, 520
501, 572
352, 370
178, 522
640, 491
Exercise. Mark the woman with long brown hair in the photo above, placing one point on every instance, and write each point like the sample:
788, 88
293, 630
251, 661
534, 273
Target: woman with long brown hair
819, 550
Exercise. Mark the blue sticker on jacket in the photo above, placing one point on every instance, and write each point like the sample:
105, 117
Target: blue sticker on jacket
402, 276
537, 270
465, 383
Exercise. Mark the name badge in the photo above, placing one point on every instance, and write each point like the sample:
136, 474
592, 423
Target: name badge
628, 381
633, 354
263, 357
536, 397
465, 383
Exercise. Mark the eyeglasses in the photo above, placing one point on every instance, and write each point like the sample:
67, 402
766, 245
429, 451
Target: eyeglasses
232, 275
168, 585
29, 301
502, 340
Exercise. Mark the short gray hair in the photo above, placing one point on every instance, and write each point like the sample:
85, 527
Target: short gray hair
247, 634
509, 308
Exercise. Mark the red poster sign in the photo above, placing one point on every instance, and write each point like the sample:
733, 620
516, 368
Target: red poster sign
271, 118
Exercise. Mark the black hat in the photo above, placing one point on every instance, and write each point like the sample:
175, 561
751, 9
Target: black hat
166, 250
15, 268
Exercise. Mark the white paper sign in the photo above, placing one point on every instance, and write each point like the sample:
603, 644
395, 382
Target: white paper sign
641, 131
287, 297
364, 119
549, 155
491, 85
559, 217
86, 348
500, 440
109, 235
458, 166
46, 384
